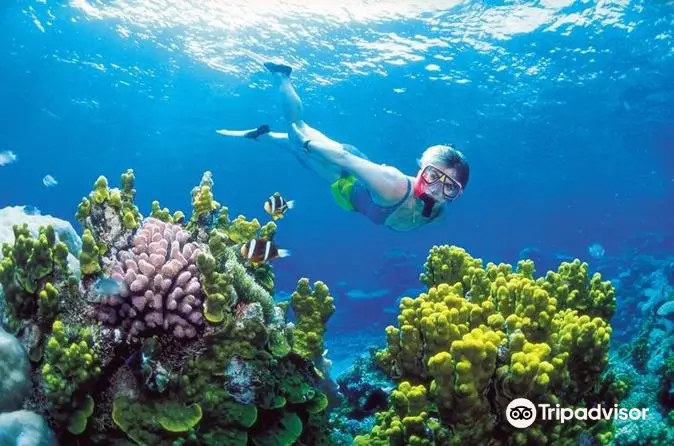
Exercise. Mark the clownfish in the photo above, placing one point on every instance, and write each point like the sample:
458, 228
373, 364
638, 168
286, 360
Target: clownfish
259, 251
276, 206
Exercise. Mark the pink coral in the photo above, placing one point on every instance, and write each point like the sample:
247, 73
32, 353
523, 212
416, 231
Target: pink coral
162, 283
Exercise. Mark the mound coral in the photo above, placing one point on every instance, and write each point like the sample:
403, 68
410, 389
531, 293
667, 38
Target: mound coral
161, 287
483, 336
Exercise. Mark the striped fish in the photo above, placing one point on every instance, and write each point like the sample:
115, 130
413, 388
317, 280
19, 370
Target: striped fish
258, 251
276, 206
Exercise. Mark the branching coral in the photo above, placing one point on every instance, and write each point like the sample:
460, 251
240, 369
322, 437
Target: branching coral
312, 310
71, 365
36, 281
161, 283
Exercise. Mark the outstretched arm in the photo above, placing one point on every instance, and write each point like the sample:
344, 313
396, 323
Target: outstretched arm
386, 184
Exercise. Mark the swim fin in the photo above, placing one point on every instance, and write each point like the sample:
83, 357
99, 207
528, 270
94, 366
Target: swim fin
254, 134
250, 134
284, 70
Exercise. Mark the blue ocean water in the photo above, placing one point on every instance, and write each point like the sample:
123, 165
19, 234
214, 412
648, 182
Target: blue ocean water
563, 109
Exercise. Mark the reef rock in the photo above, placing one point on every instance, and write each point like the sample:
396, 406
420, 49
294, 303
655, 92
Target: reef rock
14, 374
25, 428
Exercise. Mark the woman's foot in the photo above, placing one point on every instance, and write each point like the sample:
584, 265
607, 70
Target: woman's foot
281, 69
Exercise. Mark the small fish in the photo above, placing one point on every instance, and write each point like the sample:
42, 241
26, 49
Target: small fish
596, 250
259, 251
49, 181
7, 157
107, 286
276, 206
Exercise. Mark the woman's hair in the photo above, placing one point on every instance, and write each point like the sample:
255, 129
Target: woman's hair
448, 157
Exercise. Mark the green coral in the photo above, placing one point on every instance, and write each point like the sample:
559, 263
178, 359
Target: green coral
573, 287
233, 419
164, 215
480, 328
115, 199
31, 273
282, 431
83, 210
78, 422
136, 420
48, 302
176, 417
101, 191
203, 204
241, 230
312, 310
121, 201
128, 181
129, 220
71, 364
268, 231
248, 395
90, 255
217, 288
264, 276
407, 422
222, 220
245, 285
127, 196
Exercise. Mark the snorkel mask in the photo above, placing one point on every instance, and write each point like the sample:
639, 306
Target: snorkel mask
433, 184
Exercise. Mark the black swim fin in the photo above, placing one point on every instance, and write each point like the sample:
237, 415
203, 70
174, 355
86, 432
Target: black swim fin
254, 134
285, 70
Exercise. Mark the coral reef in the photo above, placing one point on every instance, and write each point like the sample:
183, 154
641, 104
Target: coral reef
191, 348
482, 336
363, 390
187, 347
646, 363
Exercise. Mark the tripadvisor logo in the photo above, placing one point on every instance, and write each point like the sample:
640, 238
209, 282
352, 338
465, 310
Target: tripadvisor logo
522, 413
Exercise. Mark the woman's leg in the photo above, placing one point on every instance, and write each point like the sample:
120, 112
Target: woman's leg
324, 170
299, 131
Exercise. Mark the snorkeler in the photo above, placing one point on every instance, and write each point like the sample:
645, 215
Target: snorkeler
381, 193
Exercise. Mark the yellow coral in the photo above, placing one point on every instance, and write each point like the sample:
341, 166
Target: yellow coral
477, 327
405, 422
129, 220
115, 199
312, 310
101, 192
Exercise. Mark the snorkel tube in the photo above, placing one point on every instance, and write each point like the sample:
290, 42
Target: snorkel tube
428, 200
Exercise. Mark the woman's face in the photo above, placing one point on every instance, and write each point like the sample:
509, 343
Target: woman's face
438, 183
